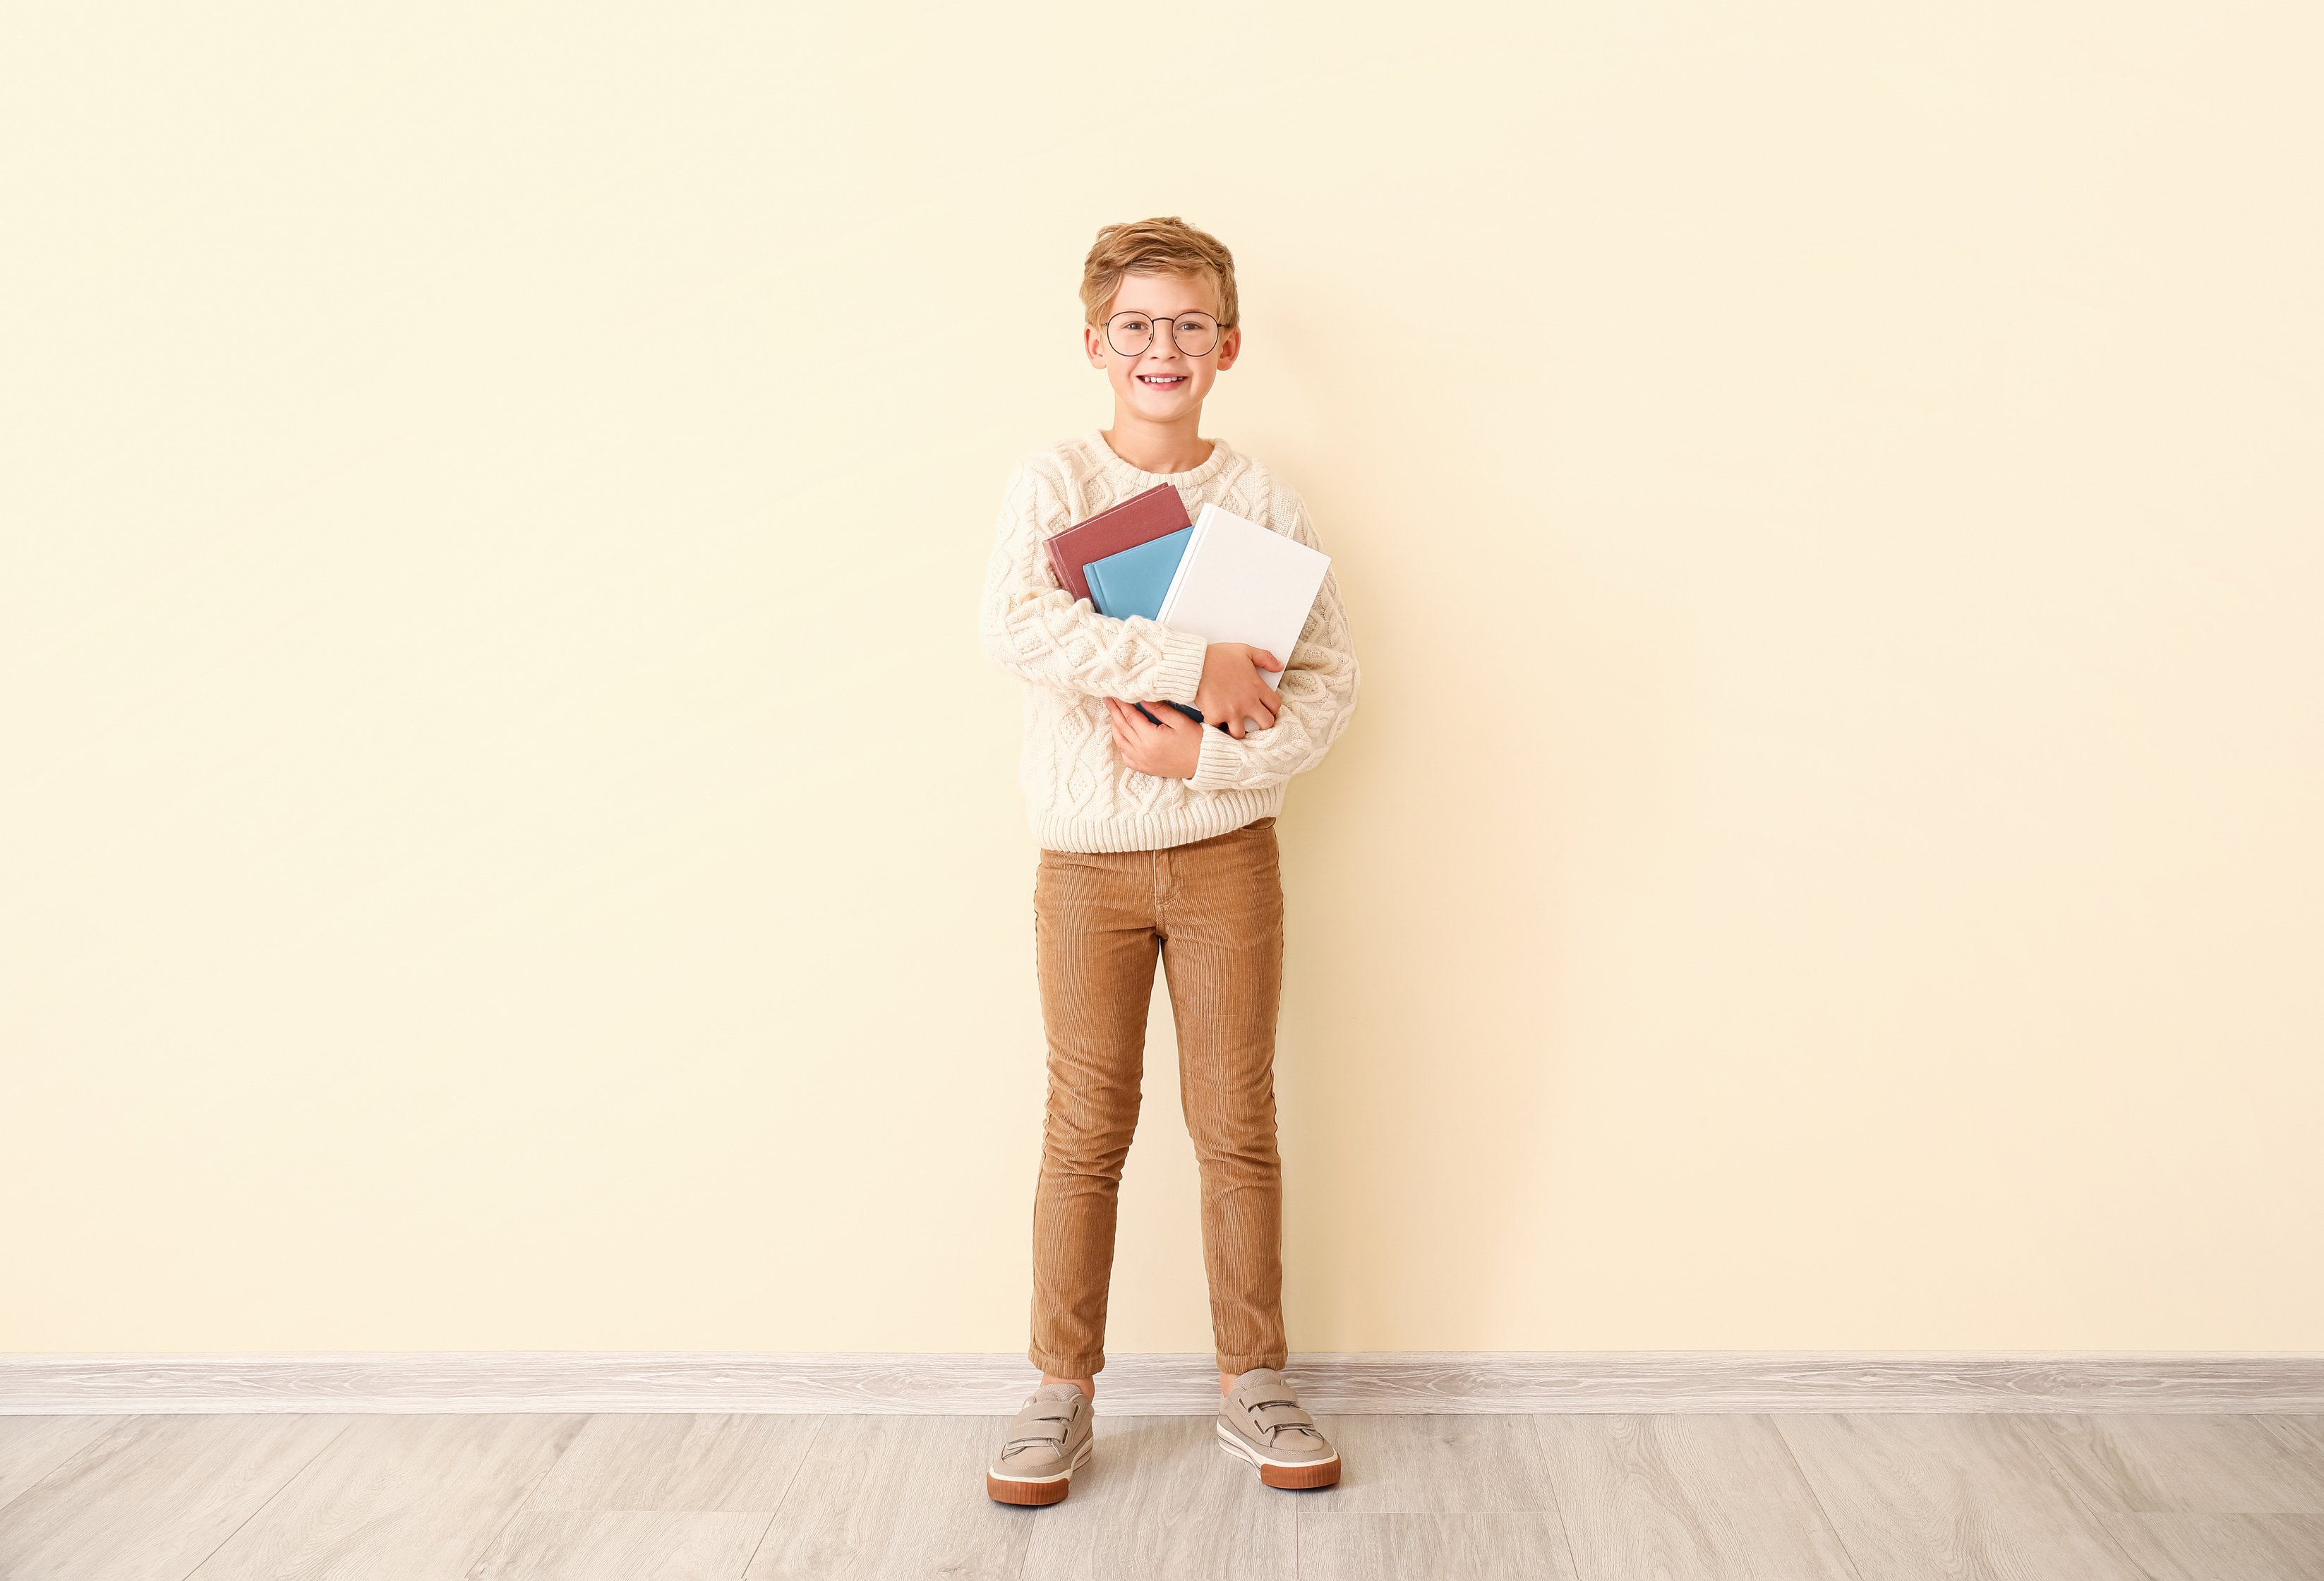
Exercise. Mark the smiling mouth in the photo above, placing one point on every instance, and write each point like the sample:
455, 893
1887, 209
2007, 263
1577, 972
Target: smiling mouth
1161, 381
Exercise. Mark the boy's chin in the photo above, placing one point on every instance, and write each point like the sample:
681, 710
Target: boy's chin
1158, 406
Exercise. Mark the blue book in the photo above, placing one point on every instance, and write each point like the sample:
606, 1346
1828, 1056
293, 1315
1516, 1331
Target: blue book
1134, 581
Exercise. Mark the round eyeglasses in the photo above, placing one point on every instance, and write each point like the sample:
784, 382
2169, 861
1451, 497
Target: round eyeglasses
1131, 333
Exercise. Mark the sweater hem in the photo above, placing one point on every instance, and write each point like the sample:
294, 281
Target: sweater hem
1218, 812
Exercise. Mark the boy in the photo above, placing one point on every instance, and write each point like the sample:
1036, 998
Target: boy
1157, 839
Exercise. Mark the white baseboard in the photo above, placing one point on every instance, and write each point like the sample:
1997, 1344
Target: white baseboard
1350, 1383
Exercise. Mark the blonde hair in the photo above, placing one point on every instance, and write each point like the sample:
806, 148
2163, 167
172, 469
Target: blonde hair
1167, 245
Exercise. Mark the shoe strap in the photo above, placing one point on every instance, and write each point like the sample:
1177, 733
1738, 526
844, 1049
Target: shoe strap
1273, 1417
1019, 1439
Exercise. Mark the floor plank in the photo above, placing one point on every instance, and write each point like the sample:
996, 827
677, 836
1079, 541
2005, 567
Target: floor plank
2186, 1465
1160, 1500
151, 1499
1432, 1548
2211, 1548
630, 1545
1436, 1466
1687, 1496
31, 1447
737, 1463
896, 1498
397, 1498
1951, 1498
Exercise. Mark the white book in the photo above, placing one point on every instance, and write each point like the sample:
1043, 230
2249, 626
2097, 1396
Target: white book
1238, 582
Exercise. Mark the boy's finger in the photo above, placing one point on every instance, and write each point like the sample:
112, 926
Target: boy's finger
1265, 659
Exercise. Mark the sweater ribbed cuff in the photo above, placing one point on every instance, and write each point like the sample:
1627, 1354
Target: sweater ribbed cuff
1221, 763
1181, 675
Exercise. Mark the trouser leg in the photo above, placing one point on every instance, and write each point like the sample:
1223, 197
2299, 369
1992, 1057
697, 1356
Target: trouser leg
1094, 948
1221, 919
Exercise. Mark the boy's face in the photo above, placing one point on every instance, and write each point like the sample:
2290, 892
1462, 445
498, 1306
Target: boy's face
1162, 383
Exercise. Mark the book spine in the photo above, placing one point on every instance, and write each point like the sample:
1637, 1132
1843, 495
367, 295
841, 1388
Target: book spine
1178, 576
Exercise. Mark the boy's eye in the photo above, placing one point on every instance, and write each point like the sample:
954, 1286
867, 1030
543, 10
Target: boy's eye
1134, 326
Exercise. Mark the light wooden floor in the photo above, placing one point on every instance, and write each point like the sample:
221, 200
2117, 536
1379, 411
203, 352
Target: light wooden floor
838, 1498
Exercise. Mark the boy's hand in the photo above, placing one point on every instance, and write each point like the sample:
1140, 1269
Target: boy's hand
1172, 750
1231, 687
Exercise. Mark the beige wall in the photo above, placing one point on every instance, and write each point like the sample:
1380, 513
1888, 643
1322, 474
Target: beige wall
509, 840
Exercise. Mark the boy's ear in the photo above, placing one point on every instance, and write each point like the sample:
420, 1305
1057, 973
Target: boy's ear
1094, 342
1230, 347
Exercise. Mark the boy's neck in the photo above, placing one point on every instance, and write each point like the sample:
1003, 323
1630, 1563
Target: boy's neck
1153, 446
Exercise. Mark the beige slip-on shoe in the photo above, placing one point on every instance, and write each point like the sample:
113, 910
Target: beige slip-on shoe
1049, 1440
1260, 1419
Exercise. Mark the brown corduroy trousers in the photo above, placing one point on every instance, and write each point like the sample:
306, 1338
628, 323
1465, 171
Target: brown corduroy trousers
1211, 911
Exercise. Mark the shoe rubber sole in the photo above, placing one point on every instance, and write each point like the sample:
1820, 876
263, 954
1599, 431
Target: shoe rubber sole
1037, 1490
1281, 1474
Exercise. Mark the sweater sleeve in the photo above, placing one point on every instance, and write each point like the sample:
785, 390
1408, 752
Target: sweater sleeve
1316, 696
1039, 631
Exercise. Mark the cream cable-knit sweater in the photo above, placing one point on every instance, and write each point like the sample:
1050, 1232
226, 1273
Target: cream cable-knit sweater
1079, 795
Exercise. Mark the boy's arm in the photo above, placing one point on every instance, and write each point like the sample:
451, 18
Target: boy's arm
1037, 630
1315, 697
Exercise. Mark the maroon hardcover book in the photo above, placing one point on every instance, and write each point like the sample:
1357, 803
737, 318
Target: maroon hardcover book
1140, 518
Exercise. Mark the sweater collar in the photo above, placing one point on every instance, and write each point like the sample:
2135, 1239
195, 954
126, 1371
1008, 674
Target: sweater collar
1141, 480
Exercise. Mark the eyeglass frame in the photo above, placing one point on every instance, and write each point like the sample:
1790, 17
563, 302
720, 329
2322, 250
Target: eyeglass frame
1106, 331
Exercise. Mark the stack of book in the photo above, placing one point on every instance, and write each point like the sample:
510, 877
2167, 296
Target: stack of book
1219, 577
